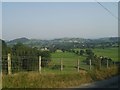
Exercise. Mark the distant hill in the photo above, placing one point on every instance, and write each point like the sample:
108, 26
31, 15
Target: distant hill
18, 40
39, 42
108, 39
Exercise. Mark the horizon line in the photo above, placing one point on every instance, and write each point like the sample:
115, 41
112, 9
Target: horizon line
59, 38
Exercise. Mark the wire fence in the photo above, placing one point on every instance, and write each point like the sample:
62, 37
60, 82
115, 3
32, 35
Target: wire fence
13, 64
19, 63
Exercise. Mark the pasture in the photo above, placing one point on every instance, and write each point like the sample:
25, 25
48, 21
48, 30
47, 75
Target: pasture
70, 59
106, 52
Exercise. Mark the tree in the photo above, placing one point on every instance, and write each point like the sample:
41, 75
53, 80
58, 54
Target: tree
77, 52
89, 52
95, 61
25, 57
46, 57
89, 57
5, 48
5, 51
81, 52
63, 50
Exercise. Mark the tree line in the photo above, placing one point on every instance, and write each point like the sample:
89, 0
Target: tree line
95, 60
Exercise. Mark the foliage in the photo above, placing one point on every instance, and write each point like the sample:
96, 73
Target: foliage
82, 52
23, 57
57, 67
107, 52
89, 52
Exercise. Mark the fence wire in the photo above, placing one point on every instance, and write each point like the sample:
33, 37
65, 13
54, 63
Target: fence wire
20, 63
31, 63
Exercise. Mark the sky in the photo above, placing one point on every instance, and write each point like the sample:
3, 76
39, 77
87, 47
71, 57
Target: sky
0, 20
49, 20
59, 0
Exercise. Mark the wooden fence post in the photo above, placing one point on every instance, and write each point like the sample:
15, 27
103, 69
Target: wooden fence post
61, 63
90, 64
78, 65
9, 63
40, 64
100, 63
114, 63
107, 63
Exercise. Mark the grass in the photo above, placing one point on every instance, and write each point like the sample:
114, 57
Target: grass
55, 80
104, 73
37, 80
106, 52
0, 80
69, 60
63, 55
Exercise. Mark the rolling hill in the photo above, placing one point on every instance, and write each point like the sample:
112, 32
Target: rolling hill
61, 41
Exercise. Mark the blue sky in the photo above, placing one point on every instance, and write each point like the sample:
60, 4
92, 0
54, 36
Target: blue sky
0, 20
57, 20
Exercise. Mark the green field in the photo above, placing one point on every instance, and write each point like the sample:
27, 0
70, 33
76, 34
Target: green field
106, 52
70, 59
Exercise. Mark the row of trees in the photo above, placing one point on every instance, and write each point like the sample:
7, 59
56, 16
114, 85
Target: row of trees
81, 52
66, 46
95, 60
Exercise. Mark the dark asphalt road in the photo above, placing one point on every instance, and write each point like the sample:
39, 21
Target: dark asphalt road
109, 83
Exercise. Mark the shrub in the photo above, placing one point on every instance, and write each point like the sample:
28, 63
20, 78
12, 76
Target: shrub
57, 66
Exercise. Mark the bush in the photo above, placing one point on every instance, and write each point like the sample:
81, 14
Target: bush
57, 66
45, 61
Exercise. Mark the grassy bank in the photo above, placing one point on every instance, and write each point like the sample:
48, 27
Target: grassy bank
54, 80
36, 80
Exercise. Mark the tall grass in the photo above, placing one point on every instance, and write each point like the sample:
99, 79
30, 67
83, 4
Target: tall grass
104, 73
56, 80
36, 80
